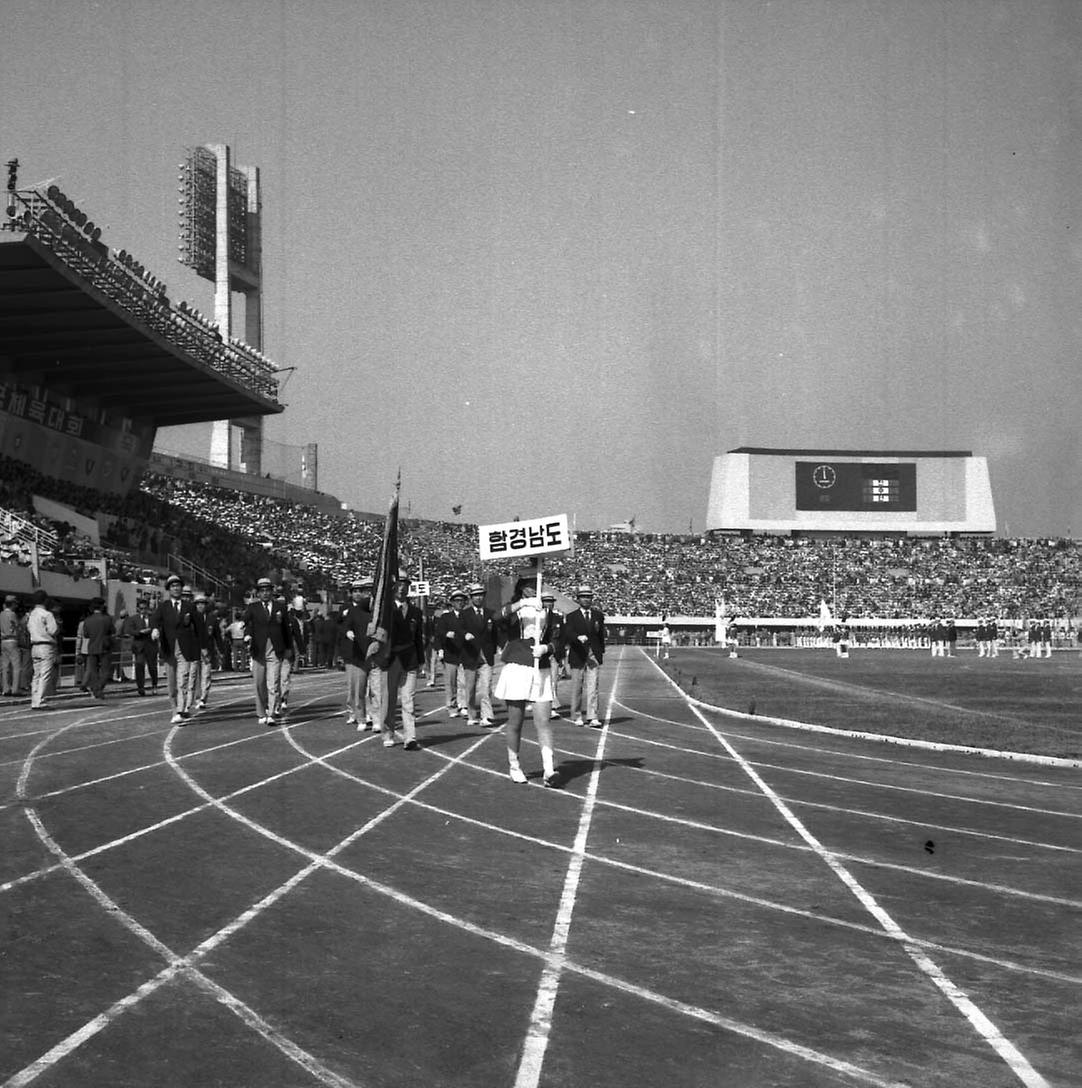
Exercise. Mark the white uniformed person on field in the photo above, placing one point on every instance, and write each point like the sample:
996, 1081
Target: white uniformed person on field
525, 678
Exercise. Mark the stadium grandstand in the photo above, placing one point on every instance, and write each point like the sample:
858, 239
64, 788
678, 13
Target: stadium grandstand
95, 356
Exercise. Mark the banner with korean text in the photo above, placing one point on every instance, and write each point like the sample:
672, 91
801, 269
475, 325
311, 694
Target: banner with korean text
518, 539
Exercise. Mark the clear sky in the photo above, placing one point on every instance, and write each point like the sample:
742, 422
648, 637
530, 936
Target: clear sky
555, 255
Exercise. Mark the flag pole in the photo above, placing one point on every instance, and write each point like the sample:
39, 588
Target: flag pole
540, 619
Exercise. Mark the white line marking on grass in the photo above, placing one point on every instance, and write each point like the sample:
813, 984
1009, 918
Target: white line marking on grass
537, 1037
984, 1027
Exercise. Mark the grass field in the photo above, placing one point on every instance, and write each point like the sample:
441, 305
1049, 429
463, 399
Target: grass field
1002, 704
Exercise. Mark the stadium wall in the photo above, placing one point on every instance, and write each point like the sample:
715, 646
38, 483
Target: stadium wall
912, 493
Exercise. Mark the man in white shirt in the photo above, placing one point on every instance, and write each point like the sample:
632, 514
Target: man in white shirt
43, 649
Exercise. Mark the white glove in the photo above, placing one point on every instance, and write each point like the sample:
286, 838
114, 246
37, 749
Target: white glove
351, 636
469, 637
539, 652
584, 638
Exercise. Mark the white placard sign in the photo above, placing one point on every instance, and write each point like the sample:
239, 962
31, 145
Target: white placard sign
420, 589
537, 536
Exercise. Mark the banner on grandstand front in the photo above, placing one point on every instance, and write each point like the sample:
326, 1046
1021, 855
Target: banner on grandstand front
69, 447
515, 539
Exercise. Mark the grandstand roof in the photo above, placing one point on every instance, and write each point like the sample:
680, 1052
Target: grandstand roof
61, 327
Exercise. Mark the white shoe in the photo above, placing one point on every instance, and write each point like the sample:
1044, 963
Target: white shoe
351, 720
578, 721
516, 774
263, 721
488, 723
595, 724
177, 717
473, 721
389, 741
201, 705
554, 714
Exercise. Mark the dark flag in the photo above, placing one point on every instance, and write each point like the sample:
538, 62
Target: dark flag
383, 604
456, 509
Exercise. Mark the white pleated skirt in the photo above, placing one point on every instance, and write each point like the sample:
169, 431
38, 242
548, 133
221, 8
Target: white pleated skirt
524, 682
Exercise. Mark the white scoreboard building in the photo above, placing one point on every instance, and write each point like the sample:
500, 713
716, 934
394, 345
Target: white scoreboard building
912, 493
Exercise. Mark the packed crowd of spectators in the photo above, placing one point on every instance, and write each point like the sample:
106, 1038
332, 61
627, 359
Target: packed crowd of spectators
239, 537
641, 574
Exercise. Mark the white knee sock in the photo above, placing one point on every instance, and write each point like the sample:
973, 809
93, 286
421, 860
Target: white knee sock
547, 761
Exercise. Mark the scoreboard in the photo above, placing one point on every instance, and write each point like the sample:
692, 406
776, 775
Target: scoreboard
850, 491
848, 485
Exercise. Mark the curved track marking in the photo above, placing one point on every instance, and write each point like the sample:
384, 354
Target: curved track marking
175, 965
773, 742
1003, 1047
705, 1015
717, 890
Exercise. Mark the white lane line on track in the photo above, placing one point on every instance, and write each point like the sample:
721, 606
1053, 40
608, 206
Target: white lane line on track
537, 1036
741, 791
788, 844
891, 761
724, 758
37, 874
883, 738
175, 965
704, 1015
715, 890
150, 828
1003, 1047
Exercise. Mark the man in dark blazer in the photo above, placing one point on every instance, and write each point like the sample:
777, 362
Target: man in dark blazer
266, 634
167, 621
584, 637
556, 662
449, 651
137, 628
398, 681
98, 630
362, 703
478, 656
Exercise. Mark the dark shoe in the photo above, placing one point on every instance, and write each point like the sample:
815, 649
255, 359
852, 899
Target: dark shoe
411, 746
553, 781
140, 692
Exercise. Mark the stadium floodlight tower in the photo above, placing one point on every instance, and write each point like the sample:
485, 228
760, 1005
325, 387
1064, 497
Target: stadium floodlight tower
221, 239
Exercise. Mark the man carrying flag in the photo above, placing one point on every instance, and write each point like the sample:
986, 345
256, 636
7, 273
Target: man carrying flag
385, 608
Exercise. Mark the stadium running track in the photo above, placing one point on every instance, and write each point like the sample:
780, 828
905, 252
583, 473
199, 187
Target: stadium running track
710, 901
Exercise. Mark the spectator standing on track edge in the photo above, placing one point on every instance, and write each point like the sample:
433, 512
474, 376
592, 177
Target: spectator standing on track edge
9, 647
44, 631
99, 631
